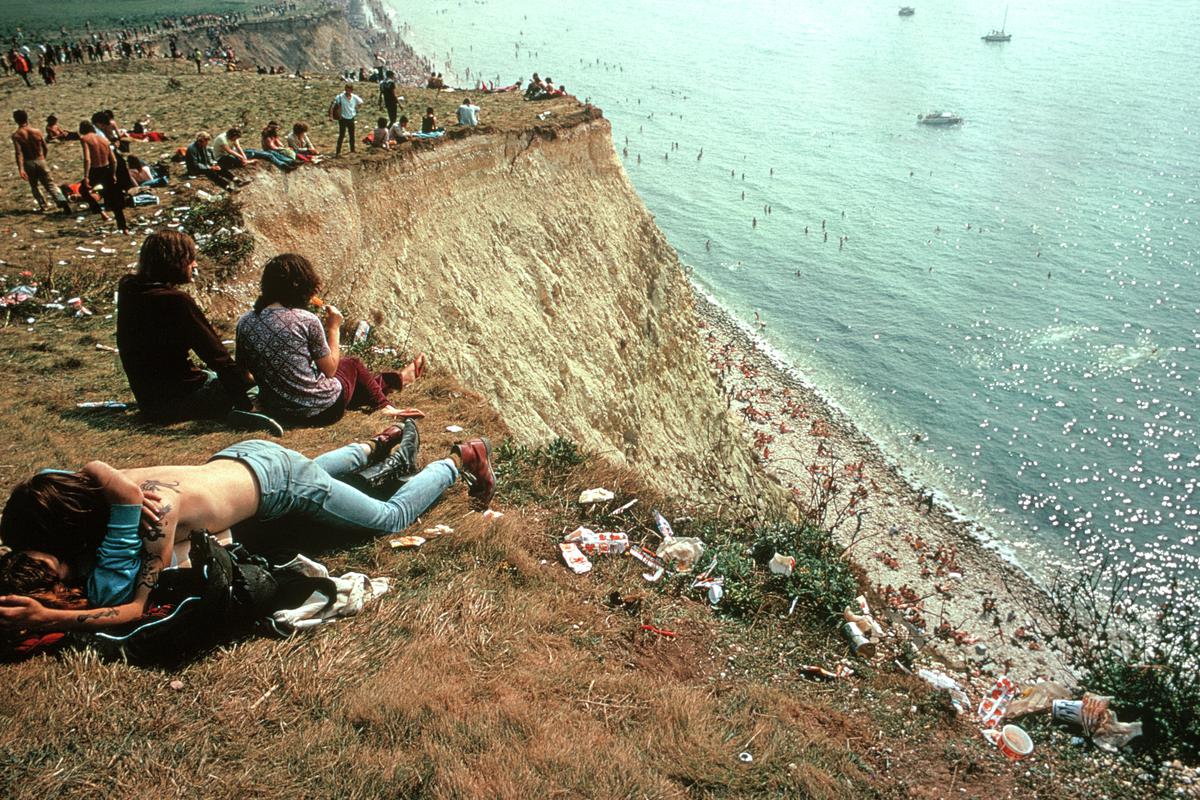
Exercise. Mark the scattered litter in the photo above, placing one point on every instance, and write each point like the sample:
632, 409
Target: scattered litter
598, 495
454, 429
625, 507
994, 704
362, 331
1012, 741
438, 530
1098, 721
940, 680
659, 631
105, 405
108, 251
83, 249
80, 309
176, 684
598, 543
407, 541
17, 295
860, 645
822, 674
744, 756
492, 514
1036, 698
576, 560
207, 197
106, 347
664, 527
714, 584
650, 560
681, 552
545, 115
781, 564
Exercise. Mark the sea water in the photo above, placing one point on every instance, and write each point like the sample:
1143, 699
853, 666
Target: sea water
1009, 307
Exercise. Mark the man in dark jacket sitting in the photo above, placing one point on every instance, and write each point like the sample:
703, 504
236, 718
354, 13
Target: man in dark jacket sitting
158, 326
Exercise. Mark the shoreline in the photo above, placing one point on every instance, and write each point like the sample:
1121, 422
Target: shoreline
990, 611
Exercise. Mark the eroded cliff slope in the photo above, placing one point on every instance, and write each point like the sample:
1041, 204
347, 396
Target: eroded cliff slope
526, 264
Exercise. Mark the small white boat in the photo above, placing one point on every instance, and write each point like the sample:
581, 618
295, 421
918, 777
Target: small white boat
1000, 35
939, 118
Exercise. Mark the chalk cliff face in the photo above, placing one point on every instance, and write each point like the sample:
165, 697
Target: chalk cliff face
319, 41
528, 266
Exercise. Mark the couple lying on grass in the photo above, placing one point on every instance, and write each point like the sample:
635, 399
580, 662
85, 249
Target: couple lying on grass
90, 547
292, 355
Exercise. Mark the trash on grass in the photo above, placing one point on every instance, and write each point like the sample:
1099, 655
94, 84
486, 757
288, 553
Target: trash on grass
607, 543
822, 674
1036, 698
454, 429
407, 541
625, 507
598, 495
362, 331
994, 705
650, 560
106, 347
659, 631
576, 560
438, 530
1011, 740
103, 405
940, 680
17, 295
492, 514
860, 645
781, 564
1098, 721
745, 757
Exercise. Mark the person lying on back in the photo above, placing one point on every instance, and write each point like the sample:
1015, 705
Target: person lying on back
101, 537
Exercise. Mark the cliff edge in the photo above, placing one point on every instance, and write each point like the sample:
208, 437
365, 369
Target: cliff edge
526, 264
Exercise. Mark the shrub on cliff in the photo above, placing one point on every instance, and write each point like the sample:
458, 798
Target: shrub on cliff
1136, 638
216, 226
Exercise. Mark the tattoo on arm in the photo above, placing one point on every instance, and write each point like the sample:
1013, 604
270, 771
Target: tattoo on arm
103, 613
154, 530
155, 483
151, 566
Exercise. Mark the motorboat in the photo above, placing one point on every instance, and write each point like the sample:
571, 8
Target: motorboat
939, 118
907, 11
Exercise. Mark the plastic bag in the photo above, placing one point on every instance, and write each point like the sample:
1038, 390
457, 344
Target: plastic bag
1036, 698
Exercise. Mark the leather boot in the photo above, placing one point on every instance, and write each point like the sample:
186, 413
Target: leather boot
383, 478
476, 458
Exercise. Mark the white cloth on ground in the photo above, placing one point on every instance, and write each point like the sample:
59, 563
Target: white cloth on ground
354, 590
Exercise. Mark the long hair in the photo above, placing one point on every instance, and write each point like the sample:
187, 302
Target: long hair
288, 279
166, 255
22, 574
63, 514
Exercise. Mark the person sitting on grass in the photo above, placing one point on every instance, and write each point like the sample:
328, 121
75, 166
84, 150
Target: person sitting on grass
272, 143
57, 133
143, 133
468, 113
399, 132
535, 86
201, 163
159, 326
88, 547
429, 121
146, 175
380, 137
303, 377
298, 140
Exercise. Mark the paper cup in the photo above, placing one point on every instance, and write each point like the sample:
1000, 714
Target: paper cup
1014, 742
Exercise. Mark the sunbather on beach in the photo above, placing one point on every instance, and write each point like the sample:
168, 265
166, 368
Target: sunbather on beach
89, 546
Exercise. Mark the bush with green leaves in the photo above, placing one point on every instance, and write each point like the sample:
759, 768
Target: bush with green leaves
216, 226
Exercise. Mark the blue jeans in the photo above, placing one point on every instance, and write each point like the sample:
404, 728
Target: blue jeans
290, 483
278, 159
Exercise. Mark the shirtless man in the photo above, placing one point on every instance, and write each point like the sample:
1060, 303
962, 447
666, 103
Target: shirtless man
250, 480
30, 147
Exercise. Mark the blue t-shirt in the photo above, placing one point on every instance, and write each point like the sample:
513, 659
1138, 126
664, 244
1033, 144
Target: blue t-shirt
118, 560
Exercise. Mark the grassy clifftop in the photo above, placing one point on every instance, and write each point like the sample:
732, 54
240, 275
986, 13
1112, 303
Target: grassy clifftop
490, 671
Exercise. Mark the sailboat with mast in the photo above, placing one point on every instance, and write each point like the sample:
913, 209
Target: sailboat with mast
1000, 35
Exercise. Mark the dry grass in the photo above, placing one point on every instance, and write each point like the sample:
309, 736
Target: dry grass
491, 671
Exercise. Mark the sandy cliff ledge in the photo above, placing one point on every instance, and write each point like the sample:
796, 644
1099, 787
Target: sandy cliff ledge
527, 265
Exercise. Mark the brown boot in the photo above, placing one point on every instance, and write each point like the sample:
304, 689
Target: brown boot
476, 458
384, 441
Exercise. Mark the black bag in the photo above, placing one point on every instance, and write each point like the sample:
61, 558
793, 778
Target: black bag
226, 594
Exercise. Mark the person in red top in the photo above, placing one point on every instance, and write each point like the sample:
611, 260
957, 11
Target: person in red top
100, 169
20, 65
30, 148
